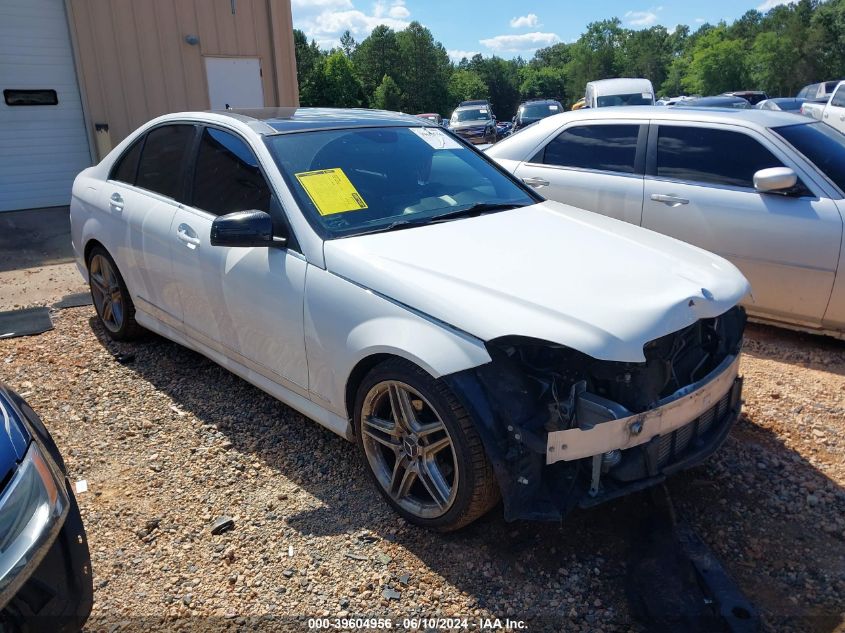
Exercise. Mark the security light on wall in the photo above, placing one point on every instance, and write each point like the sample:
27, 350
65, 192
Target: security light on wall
193, 40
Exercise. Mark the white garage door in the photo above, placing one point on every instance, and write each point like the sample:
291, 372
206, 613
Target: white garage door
42, 147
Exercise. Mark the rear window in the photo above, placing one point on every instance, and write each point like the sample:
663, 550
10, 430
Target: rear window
163, 159
821, 144
539, 110
596, 147
127, 165
637, 98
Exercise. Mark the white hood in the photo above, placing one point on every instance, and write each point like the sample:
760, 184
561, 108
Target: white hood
548, 271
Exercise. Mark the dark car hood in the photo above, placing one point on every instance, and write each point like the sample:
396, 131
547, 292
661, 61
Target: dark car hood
14, 438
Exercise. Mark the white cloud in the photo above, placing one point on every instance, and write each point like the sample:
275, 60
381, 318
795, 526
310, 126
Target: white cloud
457, 55
771, 4
524, 21
641, 18
524, 42
326, 20
700, 20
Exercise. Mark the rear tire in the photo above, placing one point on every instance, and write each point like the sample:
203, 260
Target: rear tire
111, 297
427, 460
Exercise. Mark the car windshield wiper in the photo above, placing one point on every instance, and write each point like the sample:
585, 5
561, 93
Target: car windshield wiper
479, 208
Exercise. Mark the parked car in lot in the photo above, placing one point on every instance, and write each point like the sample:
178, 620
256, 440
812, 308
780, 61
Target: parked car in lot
433, 117
45, 566
394, 284
474, 123
734, 103
532, 111
817, 92
763, 189
618, 92
751, 96
784, 104
831, 112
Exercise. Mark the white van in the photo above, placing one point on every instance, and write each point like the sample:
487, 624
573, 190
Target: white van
619, 92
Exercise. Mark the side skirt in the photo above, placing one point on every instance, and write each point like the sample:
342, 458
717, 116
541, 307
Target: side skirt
303, 405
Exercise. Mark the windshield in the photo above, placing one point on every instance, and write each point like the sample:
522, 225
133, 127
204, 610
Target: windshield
821, 144
534, 111
638, 98
471, 114
355, 181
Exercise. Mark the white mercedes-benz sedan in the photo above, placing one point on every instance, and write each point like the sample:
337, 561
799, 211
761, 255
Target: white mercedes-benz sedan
383, 277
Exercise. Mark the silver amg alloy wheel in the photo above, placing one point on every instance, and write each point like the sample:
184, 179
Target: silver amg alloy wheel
106, 293
409, 449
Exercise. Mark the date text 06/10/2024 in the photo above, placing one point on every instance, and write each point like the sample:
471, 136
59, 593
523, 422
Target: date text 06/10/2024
413, 624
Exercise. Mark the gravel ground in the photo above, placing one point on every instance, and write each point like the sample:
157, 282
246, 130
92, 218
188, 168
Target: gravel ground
169, 442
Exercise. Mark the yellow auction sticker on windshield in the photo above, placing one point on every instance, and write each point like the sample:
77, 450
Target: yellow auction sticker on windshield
331, 191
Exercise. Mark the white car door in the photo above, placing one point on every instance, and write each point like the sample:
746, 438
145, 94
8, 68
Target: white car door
142, 191
699, 188
592, 165
245, 303
834, 113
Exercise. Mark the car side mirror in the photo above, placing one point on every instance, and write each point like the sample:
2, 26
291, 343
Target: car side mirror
245, 228
775, 180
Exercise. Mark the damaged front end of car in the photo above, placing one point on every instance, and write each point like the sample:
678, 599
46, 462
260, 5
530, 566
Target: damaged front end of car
563, 429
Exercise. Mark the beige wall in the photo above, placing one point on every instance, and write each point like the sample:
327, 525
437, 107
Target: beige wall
134, 63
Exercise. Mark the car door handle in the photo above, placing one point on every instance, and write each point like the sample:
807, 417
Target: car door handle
533, 181
116, 202
187, 236
672, 201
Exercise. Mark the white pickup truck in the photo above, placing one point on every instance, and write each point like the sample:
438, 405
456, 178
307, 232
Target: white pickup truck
832, 112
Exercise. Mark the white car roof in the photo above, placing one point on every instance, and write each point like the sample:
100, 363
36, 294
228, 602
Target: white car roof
621, 86
749, 117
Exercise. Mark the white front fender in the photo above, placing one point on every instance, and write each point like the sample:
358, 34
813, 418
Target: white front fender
372, 324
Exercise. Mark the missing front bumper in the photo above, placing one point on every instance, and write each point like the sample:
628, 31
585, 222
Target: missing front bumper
605, 426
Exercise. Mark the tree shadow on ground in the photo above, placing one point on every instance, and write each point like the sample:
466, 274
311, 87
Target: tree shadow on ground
787, 557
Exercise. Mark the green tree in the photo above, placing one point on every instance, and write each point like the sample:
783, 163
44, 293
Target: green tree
464, 85
424, 70
543, 82
596, 54
770, 64
502, 80
348, 43
557, 56
376, 56
827, 39
646, 53
718, 64
341, 88
309, 72
387, 96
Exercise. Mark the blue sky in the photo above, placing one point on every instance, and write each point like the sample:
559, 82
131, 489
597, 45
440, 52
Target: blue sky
507, 29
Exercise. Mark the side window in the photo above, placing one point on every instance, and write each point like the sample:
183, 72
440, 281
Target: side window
838, 98
599, 147
163, 159
126, 167
711, 156
227, 177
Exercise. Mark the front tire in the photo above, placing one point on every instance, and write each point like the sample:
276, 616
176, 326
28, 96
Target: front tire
111, 297
422, 448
